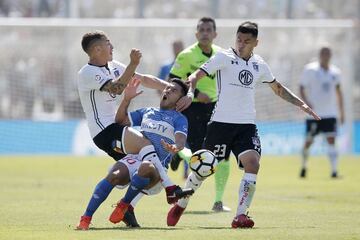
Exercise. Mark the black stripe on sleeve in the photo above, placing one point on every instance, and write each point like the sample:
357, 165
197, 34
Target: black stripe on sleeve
218, 79
270, 81
102, 86
205, 71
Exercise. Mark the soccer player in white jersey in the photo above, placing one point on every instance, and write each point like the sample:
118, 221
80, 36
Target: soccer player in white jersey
100, 83
320, 89
232, 126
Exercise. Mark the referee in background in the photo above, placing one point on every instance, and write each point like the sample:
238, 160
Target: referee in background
199, 112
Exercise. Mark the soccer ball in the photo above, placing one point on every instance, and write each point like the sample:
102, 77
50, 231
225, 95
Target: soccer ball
203, 163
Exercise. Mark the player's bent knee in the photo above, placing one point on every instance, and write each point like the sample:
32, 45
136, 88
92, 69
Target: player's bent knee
118, 175
146, 169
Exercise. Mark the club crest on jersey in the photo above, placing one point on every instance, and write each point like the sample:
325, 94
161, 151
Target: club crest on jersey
167, 118
116, 73
255, 66
246, 77
98, 78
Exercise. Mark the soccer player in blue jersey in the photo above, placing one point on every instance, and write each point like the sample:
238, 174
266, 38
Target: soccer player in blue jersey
165, 128
100, 83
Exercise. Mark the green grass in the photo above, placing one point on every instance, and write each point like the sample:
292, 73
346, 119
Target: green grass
43, 198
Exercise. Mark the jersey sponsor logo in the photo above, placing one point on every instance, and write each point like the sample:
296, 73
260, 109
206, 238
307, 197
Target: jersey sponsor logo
149, 125
246, 77
159, 128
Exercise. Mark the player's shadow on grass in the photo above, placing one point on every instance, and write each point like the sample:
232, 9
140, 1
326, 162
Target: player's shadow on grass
132, 229
214, 228
200, 212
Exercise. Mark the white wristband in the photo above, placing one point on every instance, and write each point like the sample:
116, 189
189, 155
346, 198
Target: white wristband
190, 95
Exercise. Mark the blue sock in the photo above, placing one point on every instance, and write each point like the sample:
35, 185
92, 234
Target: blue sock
137, 184
102, 190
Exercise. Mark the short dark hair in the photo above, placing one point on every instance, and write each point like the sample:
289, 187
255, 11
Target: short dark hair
89, 38
206, 19
248, 27
182, 84
325, 48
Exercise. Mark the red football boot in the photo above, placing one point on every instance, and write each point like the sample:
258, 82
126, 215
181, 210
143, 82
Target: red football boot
174, 215
118, 214
84, 223
242, 221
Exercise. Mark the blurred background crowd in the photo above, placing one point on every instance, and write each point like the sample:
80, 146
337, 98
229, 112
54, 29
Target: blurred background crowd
334, 9
40, 61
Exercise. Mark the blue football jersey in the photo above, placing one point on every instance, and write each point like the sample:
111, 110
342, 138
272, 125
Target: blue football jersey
156, 124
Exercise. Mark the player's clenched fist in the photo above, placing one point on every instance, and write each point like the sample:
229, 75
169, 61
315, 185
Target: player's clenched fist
135, 56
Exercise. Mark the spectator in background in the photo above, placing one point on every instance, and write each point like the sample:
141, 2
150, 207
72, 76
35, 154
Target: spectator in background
320, 89
4, 8
177, 47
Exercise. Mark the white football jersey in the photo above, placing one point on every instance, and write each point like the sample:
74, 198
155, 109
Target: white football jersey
99, 106
236, 80
320, 88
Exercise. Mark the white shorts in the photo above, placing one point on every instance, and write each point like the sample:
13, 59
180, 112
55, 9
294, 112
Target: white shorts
132, 162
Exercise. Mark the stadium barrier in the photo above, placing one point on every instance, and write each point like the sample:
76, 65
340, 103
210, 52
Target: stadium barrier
72, 137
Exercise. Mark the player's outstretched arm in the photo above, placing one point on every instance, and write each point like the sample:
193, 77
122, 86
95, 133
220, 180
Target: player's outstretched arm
185, 101
290, 97
340, 103
130, 92
303, 96
151, 81
117, 86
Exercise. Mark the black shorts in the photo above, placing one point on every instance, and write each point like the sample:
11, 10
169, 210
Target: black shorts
198, 116
222, 138
108, 140
325, 125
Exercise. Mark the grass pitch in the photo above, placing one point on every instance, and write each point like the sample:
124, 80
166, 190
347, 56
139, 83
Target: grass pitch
43, 198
